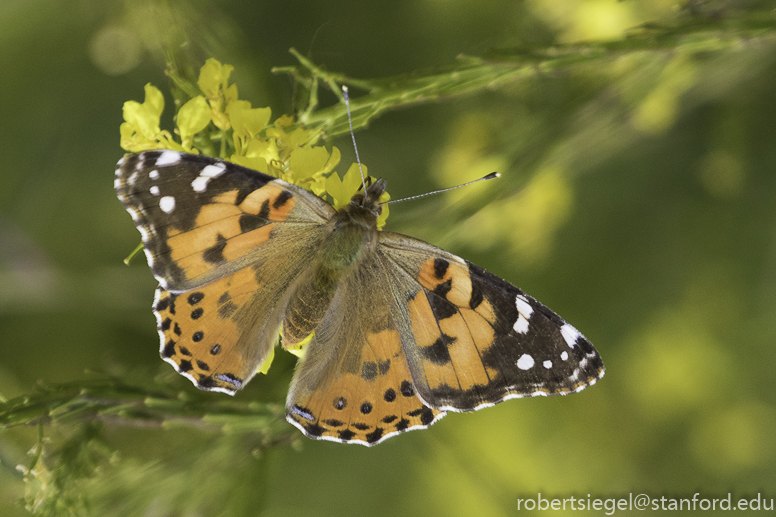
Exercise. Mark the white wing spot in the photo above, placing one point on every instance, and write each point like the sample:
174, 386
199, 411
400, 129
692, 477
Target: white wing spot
122, 160
208, 173
521, 325
133, 178
168, 158
525, 311
154, 174
547, 364
525, 362
213, 170
570, 334
523, 306
564, 355
167, 204
116, 183
199, 184
154, 190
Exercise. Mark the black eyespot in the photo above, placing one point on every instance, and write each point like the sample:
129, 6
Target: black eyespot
340, 403
195, 298
406, 389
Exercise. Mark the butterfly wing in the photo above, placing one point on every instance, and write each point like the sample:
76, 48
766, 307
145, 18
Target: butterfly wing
354, 384
417, 332
476, 340
225, 244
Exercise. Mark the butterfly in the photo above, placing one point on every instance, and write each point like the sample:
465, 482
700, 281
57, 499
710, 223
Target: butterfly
402, 331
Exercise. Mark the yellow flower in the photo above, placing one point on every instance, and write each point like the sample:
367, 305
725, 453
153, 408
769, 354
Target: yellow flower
342, 190
213, 81
140, 130
193, 117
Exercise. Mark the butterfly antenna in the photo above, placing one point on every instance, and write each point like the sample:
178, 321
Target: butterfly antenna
353, 136
490, 176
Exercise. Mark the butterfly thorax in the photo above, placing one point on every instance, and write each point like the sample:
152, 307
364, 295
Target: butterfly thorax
352, 237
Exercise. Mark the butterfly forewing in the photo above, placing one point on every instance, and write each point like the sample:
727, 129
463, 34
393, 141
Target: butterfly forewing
201, 218
477, 340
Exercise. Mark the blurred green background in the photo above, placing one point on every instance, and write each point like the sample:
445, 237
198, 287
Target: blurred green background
637, 199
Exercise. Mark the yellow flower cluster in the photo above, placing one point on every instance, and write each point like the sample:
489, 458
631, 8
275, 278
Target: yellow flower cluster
283, 149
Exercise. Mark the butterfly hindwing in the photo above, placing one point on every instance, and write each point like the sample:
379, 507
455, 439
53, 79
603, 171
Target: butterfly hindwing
354, 384
198, 342
218, 334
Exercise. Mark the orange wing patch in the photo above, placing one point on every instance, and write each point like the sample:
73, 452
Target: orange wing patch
453, 282
453, 325
375, 401
437, 273
450, 347
271, 200
464, 352
438, 368
480, 330
227, 230
200, 331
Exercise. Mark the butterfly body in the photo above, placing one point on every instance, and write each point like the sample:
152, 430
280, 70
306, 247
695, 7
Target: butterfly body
350, 240
402, 331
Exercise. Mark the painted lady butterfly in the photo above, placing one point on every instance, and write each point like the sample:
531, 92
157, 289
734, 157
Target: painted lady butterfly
403, 332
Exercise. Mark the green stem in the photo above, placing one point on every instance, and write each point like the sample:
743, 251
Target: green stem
123, 404
691, 35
